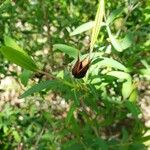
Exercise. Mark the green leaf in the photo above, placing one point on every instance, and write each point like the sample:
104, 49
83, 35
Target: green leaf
6, 129
121, 44
70, 113
127, 88
5, 5
145, 64
114, 41
11, 43
98, 23
70, 51
145, 73
76, 99
126, 42
114, 15
120, 75
145, 138
73, 145
132, 108
19, 58
82, 28
109, 62
47, 116
101, 143
133, 96
125, 135
16, 136
39, 87
24, 77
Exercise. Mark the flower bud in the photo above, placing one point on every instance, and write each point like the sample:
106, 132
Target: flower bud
80, 68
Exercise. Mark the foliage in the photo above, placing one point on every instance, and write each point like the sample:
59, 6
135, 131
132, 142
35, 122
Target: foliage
103, 111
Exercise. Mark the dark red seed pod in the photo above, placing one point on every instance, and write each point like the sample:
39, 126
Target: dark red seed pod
80, 68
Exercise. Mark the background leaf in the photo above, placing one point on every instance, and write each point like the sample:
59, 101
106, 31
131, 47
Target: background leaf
121, 44
70, 113
24, 77
127, 41
5, 5
132, 108
114, 14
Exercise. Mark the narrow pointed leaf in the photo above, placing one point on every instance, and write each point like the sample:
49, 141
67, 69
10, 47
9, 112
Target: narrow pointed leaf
127, 88
19, 58
11, 43
39, 87
70, 51
70, 113
82, 28
97, 23
114, 41
114, 15
132, 107
133, 96
25, 76
121, 44
109, 62
120, 75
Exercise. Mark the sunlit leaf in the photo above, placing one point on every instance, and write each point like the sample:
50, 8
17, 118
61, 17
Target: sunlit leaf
133, 96
16, 136
98, 23
120, 75
109, 62
145, 73
70, 51
114, 41
82, 28
121, 44
127, 88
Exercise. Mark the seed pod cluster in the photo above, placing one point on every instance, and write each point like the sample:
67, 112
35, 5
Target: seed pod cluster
80, 68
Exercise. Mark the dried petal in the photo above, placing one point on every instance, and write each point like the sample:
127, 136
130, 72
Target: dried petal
80, 68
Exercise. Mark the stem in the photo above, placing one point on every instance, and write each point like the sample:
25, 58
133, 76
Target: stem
50, 76
48, 34
130, 9
40, 135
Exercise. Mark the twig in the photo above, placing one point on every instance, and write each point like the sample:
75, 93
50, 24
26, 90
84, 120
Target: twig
48, 75
130, 9
40, 135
